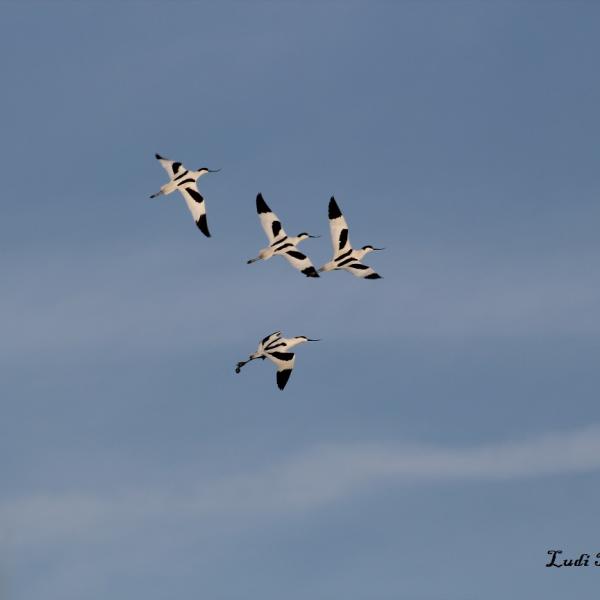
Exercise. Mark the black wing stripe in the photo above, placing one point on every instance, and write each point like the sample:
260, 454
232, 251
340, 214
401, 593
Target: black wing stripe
346, 262
282, 355
195, 195
268, 336
343, 238
296, 254
359, 266
276, 227
282, 247
274, 344
285, 237
344, 255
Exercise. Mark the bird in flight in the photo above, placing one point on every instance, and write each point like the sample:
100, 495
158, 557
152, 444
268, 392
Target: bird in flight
344, 256
277, 350
280, 244
184, 181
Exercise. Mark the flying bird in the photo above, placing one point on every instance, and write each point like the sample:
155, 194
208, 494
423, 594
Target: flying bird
184, 181
280, 244
277, 350
344, 256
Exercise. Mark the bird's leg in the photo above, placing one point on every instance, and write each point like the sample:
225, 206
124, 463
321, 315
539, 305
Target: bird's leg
159, 193
248, 262
244, 362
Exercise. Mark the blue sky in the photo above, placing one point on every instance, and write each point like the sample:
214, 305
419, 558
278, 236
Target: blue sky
444, 434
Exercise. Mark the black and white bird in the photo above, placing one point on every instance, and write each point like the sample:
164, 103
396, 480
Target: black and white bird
277, 349
344, 256
184, 181
280, 244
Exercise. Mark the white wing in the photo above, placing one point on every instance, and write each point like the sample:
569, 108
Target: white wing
338, 228
359, 270
269, 340
284, 361
195, 203
172, 167
269, 221
301, 262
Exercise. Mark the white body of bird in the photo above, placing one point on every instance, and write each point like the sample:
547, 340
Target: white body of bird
280, 243
344, 256
185, 181
277, 350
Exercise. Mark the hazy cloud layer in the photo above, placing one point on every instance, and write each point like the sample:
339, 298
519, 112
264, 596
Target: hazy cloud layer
313, 478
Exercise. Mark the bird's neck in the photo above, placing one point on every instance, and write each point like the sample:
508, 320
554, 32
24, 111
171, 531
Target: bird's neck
295, 341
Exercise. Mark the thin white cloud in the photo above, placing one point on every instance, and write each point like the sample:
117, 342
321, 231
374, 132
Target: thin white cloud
317, 477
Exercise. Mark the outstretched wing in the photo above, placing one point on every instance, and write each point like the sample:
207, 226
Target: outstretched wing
284, 361
301, 262
268, 341
172, 167
359, 270
195, 203
269, 221
338, 228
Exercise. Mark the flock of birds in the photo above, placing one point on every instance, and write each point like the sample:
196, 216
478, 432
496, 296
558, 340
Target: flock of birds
274, 347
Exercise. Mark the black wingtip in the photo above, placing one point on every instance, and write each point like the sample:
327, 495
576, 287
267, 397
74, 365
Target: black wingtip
334, 209
203, 225
282, 378
261, 205
374, 276
310, 272
159, 157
